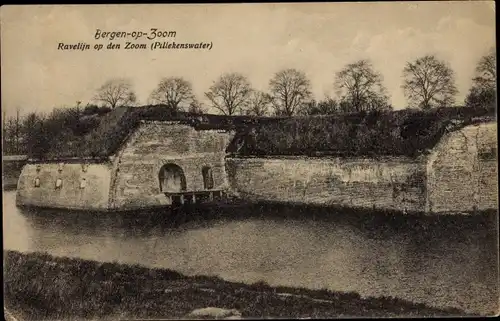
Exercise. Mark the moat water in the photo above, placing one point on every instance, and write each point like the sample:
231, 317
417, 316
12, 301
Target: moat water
443, 262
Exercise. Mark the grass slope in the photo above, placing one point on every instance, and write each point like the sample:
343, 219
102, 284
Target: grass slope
39, 286
392, 133
407, 133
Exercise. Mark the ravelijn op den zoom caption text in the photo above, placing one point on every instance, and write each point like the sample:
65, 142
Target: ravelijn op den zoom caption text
154, 39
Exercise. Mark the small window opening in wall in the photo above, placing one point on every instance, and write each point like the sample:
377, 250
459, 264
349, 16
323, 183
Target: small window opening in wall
208, 179
83, 183
488, 154
58, 183
37, 182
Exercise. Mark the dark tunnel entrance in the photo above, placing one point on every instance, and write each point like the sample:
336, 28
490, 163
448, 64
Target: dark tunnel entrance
172, 179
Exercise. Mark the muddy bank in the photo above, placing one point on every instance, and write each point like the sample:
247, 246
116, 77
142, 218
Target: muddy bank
40, 286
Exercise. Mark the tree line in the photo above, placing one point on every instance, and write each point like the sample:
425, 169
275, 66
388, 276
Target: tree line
428, 83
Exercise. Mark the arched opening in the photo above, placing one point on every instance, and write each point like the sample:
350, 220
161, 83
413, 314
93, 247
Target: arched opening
172, 179
208, 179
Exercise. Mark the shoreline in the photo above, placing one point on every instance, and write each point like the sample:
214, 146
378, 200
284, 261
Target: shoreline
240, 203
47, 287
366, 218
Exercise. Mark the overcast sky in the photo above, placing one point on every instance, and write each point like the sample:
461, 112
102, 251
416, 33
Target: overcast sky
254, 39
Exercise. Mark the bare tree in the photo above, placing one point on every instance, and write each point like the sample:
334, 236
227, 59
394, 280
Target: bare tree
30, 129
428, 83
17, 130
4, 128
360, 87
196, 107
482, 94
258, 103
229, 93
8, 135
115, 93
486, 71
327, 106
290, 90
175, 92
12, 134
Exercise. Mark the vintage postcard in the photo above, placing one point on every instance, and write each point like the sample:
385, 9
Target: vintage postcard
249, 160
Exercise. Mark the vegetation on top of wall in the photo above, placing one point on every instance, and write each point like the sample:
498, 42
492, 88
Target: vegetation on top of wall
98, 132
406, 132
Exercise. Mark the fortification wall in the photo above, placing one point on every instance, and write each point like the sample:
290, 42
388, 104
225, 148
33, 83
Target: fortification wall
155, 144
72, 193
459, 175
462, 171
395, 184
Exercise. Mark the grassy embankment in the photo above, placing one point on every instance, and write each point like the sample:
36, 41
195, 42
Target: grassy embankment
39, 286
99, 133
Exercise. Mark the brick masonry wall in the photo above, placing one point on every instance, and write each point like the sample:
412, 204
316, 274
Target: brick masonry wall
94, 196
462, 171
155, 144
396, 184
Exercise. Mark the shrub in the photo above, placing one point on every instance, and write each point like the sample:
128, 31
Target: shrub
99, 132
378, 133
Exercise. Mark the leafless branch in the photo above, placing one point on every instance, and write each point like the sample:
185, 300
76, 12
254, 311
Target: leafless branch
175, 92
360, 86
229, 93
290, 89
428, 83
115, 93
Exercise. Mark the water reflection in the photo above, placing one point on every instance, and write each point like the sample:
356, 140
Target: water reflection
439, 261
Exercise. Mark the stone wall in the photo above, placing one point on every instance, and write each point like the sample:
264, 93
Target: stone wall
396, 184
155, 144
462, 171
72, 194
459, 175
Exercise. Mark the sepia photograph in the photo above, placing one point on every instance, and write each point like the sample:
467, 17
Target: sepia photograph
249, 160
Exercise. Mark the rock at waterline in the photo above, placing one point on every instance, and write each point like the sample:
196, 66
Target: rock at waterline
215, 313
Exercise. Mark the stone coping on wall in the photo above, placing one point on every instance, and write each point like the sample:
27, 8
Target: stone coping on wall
71, 160
405, 159
191, 123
